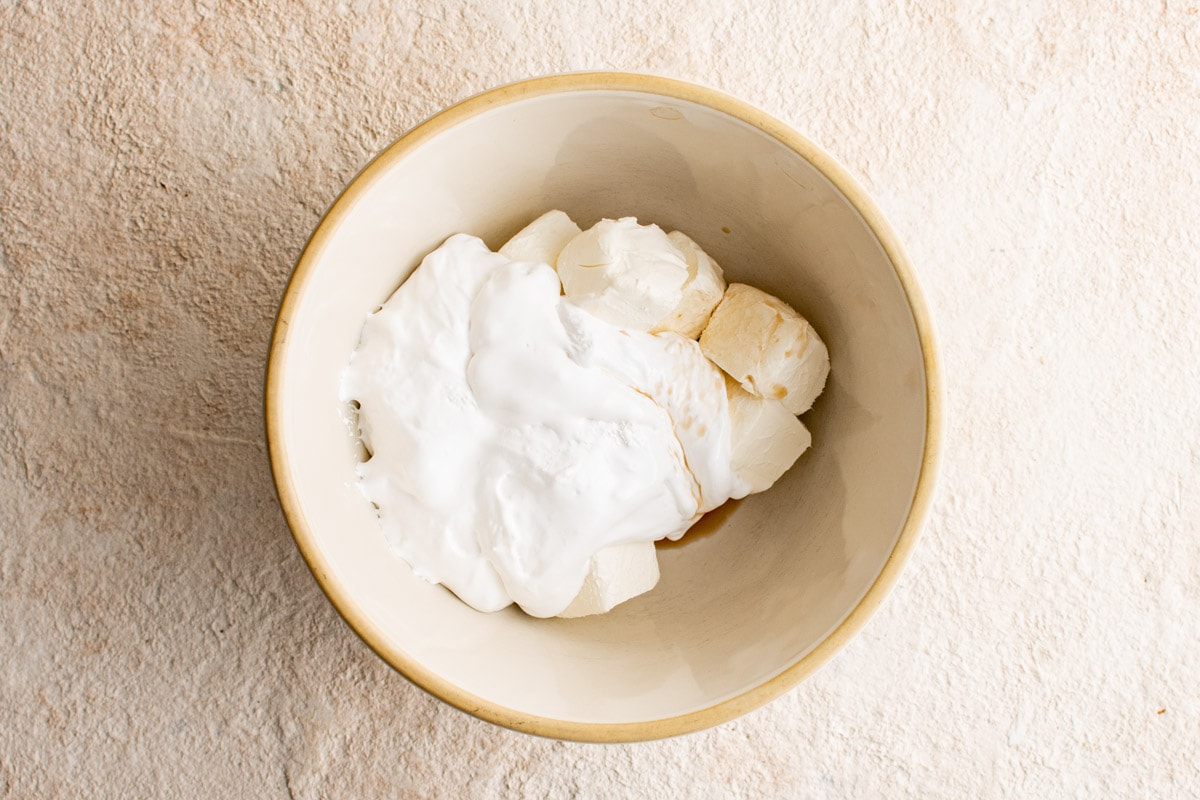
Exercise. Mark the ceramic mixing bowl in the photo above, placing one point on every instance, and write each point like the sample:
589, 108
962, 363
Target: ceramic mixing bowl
768, 588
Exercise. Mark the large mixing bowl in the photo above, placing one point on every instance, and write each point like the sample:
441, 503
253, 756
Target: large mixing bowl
776, 584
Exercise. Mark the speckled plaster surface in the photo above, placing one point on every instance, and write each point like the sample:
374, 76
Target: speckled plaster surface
163, 164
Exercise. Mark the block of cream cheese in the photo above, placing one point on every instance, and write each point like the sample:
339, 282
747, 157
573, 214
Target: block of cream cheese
617, 573
703, 290
542, 240
627, 274
767, 347
766, 438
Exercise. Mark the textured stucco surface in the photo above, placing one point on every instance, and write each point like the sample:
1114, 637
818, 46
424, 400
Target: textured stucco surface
163, 164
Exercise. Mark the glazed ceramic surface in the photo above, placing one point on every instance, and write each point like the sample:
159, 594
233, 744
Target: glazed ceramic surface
771, 590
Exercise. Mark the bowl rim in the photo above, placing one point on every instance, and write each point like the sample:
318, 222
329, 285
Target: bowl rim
604, 732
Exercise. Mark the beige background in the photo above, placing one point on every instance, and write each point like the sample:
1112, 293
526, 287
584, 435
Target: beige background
163, 164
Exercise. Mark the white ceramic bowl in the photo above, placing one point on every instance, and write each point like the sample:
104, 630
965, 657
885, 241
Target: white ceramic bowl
777, 583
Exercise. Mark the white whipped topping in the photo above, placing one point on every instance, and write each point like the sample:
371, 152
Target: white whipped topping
515, 435
628, 274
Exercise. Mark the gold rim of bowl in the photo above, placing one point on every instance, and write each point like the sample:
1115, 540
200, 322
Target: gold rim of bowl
752, 698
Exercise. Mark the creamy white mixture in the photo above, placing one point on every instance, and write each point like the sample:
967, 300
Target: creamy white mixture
514, 434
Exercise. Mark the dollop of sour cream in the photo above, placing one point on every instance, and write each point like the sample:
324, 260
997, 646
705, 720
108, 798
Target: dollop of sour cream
513, 434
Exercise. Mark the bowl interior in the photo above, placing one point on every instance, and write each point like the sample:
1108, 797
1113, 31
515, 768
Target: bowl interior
771, 577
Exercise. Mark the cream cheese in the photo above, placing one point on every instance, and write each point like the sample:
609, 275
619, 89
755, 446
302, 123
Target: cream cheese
628, 274
767, 347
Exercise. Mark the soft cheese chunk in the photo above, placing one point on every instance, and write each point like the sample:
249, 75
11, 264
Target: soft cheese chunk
767, 347
626, 274
701, 293
542, 240
616, 574
766, 439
